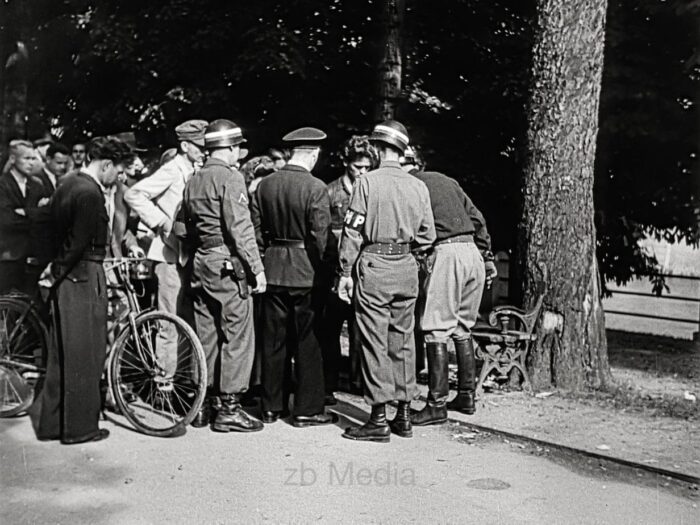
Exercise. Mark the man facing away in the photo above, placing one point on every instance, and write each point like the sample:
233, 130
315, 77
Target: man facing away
217, 219
291, 216
156, 200
68, 406
389, 216
452, 292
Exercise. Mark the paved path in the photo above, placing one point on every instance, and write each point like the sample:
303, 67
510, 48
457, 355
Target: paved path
289, 475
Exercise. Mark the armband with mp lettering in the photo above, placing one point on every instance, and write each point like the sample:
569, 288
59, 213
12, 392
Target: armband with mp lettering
354, 220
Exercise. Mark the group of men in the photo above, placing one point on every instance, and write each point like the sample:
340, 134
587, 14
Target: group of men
296, 258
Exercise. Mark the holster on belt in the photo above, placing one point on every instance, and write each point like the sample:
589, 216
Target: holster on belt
235, 268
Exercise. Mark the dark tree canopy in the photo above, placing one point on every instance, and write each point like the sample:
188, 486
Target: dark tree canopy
98, 66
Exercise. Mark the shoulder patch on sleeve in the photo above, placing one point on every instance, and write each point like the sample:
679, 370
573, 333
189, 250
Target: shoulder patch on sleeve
354, 220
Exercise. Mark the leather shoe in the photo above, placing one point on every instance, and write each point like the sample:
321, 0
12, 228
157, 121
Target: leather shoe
102, 433
315, 420
376, 429
232, 417
203, 417
271, 416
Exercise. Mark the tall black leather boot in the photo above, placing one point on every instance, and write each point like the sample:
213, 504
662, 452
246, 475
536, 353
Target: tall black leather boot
231, 416
466, 378
435, 410
376, 429
401, 424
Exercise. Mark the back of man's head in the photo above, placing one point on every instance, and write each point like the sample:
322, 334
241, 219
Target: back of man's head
109, 148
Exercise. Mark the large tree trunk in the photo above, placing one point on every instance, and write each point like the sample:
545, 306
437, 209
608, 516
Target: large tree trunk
390, 64
557, 231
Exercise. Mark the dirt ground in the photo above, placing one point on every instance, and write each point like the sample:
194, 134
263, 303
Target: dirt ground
649, 417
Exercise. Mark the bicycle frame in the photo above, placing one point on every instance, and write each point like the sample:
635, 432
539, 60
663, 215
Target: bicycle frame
121, 269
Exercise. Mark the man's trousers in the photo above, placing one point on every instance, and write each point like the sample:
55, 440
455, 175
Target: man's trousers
68, 406
336, 312
453, 293
224, 323
282, 304
385, 298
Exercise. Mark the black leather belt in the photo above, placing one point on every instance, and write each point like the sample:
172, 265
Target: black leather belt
289, 243
208, 244
457, 238
388, 248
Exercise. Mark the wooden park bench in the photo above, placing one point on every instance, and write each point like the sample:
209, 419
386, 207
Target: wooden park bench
504, 343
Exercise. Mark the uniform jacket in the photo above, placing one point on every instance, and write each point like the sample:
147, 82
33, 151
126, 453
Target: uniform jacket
339, 192
156, 200
216, 212
18, 233
388, 205
80, 223
453, 210
292, 205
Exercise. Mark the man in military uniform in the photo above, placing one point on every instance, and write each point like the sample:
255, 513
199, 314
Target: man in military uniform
219, 230
291, 214
68, 406
389, 215
452, 293
359, 157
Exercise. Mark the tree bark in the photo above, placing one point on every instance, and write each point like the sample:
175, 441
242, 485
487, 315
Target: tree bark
557, 231
390, 63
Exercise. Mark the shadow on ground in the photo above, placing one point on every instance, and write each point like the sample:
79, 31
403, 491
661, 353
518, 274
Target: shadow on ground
46, 482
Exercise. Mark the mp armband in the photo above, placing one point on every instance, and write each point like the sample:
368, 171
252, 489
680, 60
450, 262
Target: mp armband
354, 220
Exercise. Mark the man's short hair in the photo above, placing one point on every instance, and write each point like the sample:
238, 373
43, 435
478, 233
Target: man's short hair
110, 148
19, 143
359, 146
57, 147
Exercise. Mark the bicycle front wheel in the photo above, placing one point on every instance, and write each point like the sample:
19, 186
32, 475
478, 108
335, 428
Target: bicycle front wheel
157, 398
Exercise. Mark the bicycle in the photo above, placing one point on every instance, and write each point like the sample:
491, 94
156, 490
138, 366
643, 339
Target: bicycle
156, 402
23, 346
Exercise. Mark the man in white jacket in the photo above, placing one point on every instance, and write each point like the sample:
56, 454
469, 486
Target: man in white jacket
156, 200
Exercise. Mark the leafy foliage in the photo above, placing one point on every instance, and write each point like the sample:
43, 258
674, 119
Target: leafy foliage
100, 67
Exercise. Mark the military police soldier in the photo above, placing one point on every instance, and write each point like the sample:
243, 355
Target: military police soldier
291, 214
389, 215
452, 293
226, 257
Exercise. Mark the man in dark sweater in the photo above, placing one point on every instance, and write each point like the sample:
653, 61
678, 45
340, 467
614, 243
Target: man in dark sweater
68, 406
460, 263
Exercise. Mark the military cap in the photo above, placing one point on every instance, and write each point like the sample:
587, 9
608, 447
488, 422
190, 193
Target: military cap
192, 131
304, 137
128, 138
391, 132
223, 133
409, 155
